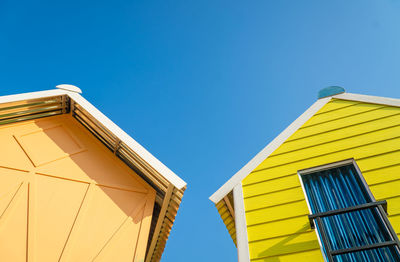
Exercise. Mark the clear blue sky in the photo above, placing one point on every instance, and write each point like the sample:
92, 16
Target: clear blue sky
203, 85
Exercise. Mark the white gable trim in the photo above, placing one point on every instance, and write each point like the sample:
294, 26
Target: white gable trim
369, 99
241, 225
271, 147
32, 95
129, 141
118, 132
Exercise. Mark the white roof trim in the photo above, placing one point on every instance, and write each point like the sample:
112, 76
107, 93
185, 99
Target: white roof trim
271, 147
33, 95
241, 225
369, 99
170, 176
263, 154
70, 88
129, 141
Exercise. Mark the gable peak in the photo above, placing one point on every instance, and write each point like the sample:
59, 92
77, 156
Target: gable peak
71, 88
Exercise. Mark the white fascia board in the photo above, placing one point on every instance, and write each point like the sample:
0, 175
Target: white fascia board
240, 225
369, 99
271, 147
170, 176
32, 95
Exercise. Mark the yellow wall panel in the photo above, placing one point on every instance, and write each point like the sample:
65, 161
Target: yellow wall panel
279, 228
368, 150
344, 122
383, 174
342, 133
311, 255
336, 104
393, 206
271, 185
340, 113
343, 144
273, 199
287, 210
395, 221
283, 245
276, 211
386, 190
379, 161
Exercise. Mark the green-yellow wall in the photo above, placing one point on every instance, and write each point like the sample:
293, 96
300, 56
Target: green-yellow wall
276, 210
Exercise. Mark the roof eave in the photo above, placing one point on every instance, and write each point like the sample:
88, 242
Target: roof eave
32, 95
170, 176
67, 100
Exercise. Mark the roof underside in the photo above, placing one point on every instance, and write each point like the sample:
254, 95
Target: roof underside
169, 187
226, 211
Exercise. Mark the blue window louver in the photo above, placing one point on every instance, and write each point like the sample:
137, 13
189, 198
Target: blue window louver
351, 225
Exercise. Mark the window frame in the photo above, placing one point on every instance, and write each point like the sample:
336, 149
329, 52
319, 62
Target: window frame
338, 164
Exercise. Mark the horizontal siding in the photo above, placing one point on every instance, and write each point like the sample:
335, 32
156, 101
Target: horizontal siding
386, 190
338, 134
382, 174
361, 142
279, 228
379, 150
283, 245
270, 186
372, 115
339, 114
227, 219
311, 255
368, 155
273, 199
276, 210
379, 161
393, 206
395, 221
336, 104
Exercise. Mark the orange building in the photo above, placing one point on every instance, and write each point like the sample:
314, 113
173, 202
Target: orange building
75, 187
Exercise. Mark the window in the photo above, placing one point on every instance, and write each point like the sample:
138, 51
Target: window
351, 225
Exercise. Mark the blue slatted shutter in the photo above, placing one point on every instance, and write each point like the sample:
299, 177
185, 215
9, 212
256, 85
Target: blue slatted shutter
339, 188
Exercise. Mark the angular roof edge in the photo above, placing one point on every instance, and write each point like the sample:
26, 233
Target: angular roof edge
129, 141
170, 176
293, 127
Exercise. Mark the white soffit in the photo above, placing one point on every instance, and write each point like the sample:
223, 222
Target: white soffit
118, 132
271, 147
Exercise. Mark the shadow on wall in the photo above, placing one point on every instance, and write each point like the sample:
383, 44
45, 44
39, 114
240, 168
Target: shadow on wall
285, 246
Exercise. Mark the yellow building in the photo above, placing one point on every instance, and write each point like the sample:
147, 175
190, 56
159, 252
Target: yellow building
75, 187
327, 188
